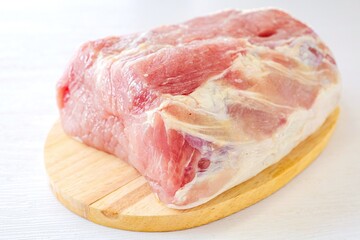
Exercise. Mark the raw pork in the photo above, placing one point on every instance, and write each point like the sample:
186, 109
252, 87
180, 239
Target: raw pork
201, 106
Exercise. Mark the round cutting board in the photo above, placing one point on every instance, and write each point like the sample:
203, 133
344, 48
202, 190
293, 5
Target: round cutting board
106, 190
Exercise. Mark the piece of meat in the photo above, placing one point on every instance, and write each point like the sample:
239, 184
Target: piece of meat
201, 106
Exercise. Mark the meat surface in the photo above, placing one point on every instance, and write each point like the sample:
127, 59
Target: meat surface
204, 105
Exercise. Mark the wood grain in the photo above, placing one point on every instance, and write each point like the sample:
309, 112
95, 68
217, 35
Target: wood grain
108, 191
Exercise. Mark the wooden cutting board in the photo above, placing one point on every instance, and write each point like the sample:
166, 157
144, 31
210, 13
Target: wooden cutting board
108, 191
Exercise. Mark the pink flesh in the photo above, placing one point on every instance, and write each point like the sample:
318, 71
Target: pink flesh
109, 112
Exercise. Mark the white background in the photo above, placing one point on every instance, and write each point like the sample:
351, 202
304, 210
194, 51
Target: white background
37, 38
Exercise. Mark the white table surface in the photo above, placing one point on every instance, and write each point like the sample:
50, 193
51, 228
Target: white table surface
37, 38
